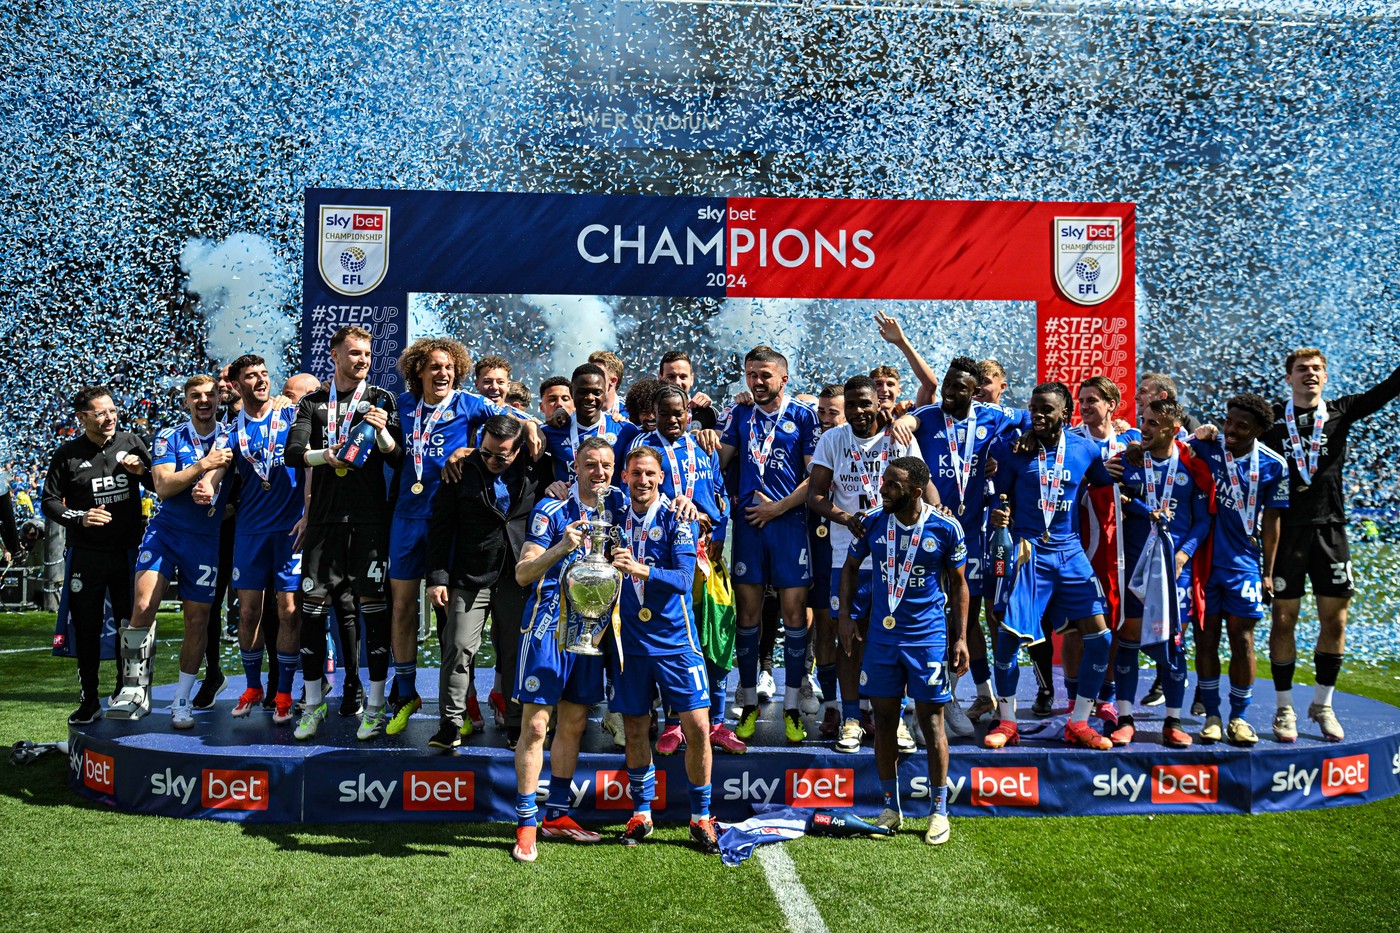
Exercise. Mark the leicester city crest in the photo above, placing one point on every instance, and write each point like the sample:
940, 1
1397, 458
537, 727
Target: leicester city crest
353, 248
1088, 257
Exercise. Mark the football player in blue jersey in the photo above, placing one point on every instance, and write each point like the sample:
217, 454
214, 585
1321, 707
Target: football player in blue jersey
953, 438
265, 556
1041, 473
1163, 496
691, 476
439, 421
832, 667
549, 677
773, 439
660, 647
1251, 492
912, 643
588, 386
187, 463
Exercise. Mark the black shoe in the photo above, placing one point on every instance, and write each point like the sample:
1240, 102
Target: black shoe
352, 702
209, 690
1044, 704
449, 735
88, 712
270, 699
1155, 696
703, 834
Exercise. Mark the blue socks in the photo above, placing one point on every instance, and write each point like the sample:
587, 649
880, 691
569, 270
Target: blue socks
1210, 694
526, 811
795, 654
940, 800
1126, 667
252, 667
287, 665
1240, 698
561, 797
1008, 672
1094, 666
642, 784
746, 653
406, 679
699, 802
718, 678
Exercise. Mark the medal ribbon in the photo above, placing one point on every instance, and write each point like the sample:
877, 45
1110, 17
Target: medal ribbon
1247, 514
422, 433
962, 463
1050, 485
1153, 503
675, 468
262, 465
335, 429
586, 514
1307, 465
761, 454
869, 484
894, 587
639, 586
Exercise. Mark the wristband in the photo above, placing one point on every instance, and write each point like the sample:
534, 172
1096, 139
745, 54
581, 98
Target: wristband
316, 458
384, 440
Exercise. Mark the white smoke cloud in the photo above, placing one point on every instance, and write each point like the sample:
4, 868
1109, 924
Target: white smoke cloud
242, 286
579, 324
781, 323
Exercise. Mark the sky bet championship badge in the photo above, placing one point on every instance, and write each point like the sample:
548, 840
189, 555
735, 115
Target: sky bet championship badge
1088, 258
353, 247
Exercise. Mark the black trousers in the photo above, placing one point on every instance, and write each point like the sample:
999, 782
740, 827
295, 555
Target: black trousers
94, 577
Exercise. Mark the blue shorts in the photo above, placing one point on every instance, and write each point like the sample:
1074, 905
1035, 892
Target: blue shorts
545, 673
975, 566
1232, 592
1132, 606
860, 606
681, 678
194, 557
1065, 580
408, 548
775, 555
266, 561
890, 670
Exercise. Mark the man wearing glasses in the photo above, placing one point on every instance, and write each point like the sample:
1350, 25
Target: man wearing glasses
476, 534
91, 490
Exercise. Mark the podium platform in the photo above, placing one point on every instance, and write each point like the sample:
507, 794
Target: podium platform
251, 770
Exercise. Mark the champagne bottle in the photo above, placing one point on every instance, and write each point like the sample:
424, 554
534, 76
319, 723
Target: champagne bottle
1002, 550
360, 442
831, 823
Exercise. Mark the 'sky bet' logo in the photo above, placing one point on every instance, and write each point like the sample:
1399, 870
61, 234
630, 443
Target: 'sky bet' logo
1088, 258
99, 772
1006, 787
439, 790
353, 247
821, 787
614, 793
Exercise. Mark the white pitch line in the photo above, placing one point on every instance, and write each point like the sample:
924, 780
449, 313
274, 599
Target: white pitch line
802, 915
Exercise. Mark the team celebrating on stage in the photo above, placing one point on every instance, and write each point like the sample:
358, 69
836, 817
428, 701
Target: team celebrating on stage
869, 537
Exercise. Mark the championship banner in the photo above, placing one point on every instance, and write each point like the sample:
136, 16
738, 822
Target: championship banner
367, 250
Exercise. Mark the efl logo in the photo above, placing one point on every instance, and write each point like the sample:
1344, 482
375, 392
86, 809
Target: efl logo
1006, 787
1099, 232
376, 222
614, 793
1346, 775
234, 790
821, 787
1185, 784
99, 772
439, 790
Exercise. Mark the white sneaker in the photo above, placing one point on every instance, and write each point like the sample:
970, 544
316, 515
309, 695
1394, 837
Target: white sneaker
904, 739
852, 735
612, 723
182, 714
766, 686
373, 723
310, 721
889, 819
956, 720
938, 830
807, 697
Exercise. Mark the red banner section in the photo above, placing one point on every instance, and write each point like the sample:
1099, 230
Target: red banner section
1075, 260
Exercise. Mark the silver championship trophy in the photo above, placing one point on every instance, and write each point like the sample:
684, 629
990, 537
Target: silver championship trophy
592, 585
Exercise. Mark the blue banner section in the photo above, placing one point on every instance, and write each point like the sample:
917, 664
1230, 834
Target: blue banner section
366, 250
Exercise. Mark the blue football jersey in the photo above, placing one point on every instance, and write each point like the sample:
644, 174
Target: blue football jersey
919, 618
687, 459
1018, 478
261, 511
1108, 446
667, 546
1234, 546
180, 447
1190, 520
559, 443
456, 427
548, 520
991, 423
793, 429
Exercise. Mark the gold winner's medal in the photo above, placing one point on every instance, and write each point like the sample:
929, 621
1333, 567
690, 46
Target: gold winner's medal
888, 622
341, 471
266, 485
822, 531
416, 489
1045, 538
644, 614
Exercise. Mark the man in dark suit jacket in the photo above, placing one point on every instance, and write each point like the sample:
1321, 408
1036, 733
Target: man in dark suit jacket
475, 536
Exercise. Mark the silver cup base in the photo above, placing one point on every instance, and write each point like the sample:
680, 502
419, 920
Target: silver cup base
585, 648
